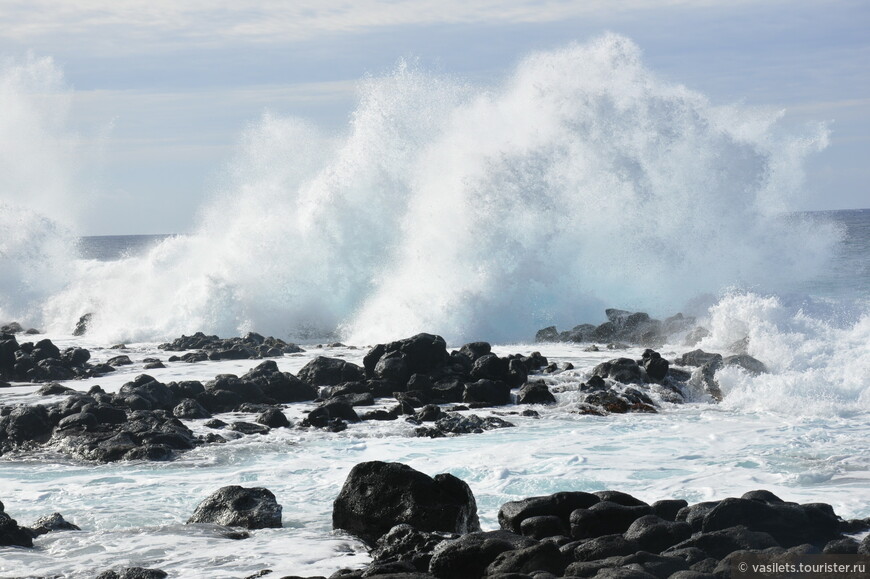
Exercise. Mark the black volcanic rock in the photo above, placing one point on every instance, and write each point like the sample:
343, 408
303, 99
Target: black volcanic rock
236, 506
52, 523
535, 393
470, 555
323, 371
11, 534
378, 496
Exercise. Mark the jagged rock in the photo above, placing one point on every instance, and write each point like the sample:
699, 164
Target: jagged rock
51, 523
605, 518
82, 325
458, 424
378, 496
236, 506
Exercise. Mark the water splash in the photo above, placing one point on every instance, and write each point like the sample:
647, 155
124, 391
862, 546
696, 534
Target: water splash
581, 181
37, 169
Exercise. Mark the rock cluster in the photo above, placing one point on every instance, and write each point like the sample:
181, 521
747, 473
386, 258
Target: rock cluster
420, 374
250, 347
621, 326
579, 534
44, 362
13, 534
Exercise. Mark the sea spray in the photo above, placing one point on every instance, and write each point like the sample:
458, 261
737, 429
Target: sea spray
581, 181
38, 206
817, 368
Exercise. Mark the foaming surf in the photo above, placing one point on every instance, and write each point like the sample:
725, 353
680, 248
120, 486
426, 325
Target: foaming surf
580, 181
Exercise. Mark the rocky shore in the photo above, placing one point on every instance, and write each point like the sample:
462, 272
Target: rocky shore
416, 379
414, 525
422, 527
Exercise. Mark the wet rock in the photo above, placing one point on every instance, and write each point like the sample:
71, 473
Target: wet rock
190, 409
542, 527
458, 424
697, 358
250, 346
404, 543
134, 573
747, 362
604, 546
281, 387
378, 496
24, 424
236, 506
541, 557
249, 428
122, 360
471, 554
323, 371
718, 544
54, 389
656, 367
788, 524
654, 534
420, 354
11, 534
605, 518
273, 418
548, 334
668, 508
82, 325
51, 523
487, 392
535, 393
512, 514
624, 370
158, 395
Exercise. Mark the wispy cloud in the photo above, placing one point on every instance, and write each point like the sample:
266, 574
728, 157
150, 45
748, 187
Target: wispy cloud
207, 22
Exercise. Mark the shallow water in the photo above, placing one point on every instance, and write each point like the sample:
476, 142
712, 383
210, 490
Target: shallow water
133, 513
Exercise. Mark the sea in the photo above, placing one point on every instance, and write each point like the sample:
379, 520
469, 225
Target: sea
582, 181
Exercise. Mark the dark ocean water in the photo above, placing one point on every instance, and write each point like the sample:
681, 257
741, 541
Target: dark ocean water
847, 275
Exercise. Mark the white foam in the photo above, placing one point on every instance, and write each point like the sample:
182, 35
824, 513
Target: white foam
477, 212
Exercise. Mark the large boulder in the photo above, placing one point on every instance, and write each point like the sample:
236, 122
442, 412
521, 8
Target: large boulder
235, 506
323, 371
378, 496
282, 387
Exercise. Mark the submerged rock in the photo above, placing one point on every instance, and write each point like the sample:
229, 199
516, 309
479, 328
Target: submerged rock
236, 506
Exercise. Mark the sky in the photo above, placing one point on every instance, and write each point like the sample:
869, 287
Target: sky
157, 93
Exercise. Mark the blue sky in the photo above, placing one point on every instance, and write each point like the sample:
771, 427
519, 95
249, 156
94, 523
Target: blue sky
160, 90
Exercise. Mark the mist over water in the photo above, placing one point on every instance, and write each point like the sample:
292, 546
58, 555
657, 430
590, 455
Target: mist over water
581, 181
37, 200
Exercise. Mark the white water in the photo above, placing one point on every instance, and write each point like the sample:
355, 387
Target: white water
133, 513
476, 212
